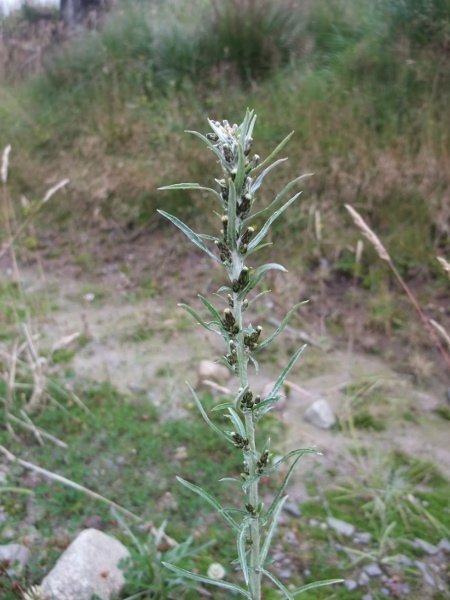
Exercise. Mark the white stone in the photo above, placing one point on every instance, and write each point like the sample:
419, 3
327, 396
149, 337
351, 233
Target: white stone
341, 526
88, 567
208, 369
320, 415
14, 555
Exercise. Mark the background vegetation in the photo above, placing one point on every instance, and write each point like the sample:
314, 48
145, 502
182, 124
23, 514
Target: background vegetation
364, 85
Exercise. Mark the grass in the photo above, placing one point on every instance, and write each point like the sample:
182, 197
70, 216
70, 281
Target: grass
366, 99
117, 453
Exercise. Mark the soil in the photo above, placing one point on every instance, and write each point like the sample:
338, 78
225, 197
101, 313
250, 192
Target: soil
125, 305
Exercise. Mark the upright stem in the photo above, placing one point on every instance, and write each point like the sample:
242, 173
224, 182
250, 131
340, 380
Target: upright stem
253, 494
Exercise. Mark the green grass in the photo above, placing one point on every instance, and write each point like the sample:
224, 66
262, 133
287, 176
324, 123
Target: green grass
366, 99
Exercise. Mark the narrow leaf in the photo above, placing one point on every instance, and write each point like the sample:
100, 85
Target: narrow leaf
260, 178
260, 247
278, 149
199, 320
271, 530
282, 325
207, 142
232, 201
255, 364
239, 180
205, 579
315, 584
241, 542
190, 186
258, 275
221, 406
195, 239
212, 310
279, 382
278, 583
210, 500
277, 198
282, 487
204, 415
263, 232
258, 296
237, 423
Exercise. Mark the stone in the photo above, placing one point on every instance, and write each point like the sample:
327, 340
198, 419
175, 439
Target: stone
350, 585
208, 369
385, 592
426, 575
292, 509
428, 548
89, 566
320, 415
444, 545
364, 579
403, 560
363, 538
373, 570
341, 526
367, 597
14, 556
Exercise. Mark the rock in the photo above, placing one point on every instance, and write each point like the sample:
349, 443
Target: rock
313, 522
88, 567
385, 592
15, 556
426, 576
94, 522
366, 597
320, 415
403, 560
444, 545
285, 573
208, 369
350, 585
292, 509
430, 549
341, 526
364, 579
363, 538
373, 570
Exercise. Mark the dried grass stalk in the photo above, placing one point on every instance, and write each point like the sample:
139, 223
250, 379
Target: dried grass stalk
368, 233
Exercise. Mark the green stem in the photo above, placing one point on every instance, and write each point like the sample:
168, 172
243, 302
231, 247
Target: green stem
253, 494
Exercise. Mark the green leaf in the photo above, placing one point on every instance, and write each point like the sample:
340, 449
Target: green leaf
207, 142
299, 453
239, 180
278, 149
263, 232
195, 239
271, 530
279, 382
260, 178
221, 406
258, 275
232, 201
199, 320
282, 487
212, 310
242, 553
278, 583
260, 247
282, 325
255, 364
205, 579
237, 423
315, 584
210, 500
191, 186
204, 415
277, 198
258, 296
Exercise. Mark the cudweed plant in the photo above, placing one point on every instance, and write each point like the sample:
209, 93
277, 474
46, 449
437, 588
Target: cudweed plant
253, 524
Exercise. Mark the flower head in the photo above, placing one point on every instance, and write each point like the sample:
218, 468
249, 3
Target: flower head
216, 571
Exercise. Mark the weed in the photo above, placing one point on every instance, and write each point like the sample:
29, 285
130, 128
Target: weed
238, 239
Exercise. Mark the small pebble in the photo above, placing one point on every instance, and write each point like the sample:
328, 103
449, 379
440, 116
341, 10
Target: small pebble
444, 545
385, 592
285, 573
292, 509
350, 585
341, 526
373, 570
363, 538
430, 549
364, 579
313, 522
366, 597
